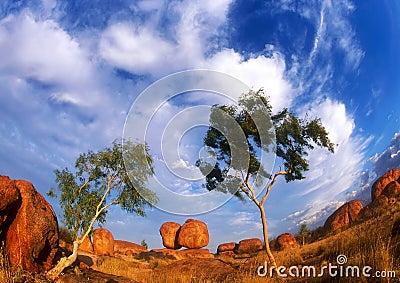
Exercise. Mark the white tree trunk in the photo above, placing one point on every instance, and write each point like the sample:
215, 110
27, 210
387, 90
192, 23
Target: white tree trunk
64, 263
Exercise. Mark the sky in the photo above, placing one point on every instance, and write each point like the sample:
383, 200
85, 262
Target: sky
70, 72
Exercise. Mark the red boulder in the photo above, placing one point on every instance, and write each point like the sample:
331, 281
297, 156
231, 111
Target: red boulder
285, 241
168, 232
193, 234
32, 237
103, 242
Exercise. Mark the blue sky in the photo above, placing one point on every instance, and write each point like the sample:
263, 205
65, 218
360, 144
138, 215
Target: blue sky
70, 71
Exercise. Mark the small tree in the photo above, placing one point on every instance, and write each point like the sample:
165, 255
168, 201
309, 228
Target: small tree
303, 233
144, 244
295, 137
100, 181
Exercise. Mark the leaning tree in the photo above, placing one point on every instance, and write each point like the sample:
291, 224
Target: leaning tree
101, 180
290, 138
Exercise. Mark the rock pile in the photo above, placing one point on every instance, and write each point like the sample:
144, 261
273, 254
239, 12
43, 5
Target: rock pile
193, 234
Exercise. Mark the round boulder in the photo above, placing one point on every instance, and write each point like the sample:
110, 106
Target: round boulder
168, 232
103, 242
193, 234
86, 245
285, 241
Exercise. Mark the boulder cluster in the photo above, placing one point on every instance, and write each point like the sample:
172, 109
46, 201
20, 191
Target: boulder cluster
28, 226
385, 191
193, 234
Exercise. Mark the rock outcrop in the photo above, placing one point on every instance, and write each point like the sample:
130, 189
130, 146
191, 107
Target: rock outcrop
128, 248
180, 254
343, 216
193, 234
103, 242
29, 226
285, 241
168, 232
380, 185
249, 246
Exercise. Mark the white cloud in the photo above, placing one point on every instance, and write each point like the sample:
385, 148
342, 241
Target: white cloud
41, 50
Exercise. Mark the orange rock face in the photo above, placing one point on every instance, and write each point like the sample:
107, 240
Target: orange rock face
343, 216
181, 254
168, 232
103, 242
9, 205
226, 247
383, 181
86, 245
128, 248
249, 246
285, 241
193, 234
32, 237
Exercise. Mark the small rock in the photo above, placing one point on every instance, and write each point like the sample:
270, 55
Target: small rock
226, 247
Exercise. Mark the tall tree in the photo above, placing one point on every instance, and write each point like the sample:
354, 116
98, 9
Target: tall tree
290, 137
101, 180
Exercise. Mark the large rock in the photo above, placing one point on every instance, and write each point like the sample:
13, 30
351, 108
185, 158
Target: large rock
285, 241
103, 242
379, 186
193, 234
90, 275
32, 237
343, 216
86, 245
168, 232
9, 205
128, 248
249, 246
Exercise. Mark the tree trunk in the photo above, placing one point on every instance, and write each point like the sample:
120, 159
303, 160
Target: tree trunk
64, 262
265, 234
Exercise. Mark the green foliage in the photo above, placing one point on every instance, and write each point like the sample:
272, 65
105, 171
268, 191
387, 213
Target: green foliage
100, 180
291, 138
144, 244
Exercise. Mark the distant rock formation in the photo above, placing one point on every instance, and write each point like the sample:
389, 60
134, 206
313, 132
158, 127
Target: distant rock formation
285, 241
193, 234
168, 232
28, 225
249, 246
127, 248
343, 216
103, 242
381, 185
